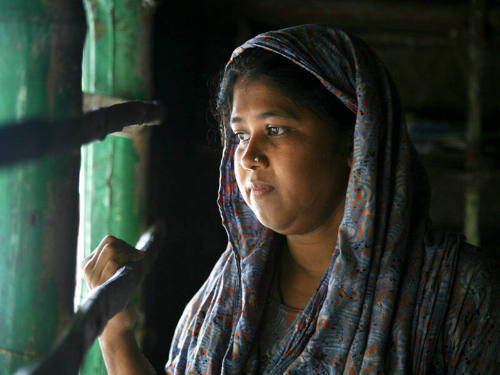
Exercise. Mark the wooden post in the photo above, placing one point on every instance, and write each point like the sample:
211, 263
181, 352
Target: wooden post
116, 64
475, 50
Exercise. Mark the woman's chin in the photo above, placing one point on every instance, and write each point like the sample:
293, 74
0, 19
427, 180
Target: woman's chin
278, 226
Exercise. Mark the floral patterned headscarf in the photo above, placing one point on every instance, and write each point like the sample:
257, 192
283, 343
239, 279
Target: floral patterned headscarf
382, 304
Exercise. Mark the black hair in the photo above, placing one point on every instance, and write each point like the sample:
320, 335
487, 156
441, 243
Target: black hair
295, 82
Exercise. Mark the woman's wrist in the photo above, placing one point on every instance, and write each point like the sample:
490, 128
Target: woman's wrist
118, 329
121, 353
123, 321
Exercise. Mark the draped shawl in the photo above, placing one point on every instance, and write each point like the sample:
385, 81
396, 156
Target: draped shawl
390, 298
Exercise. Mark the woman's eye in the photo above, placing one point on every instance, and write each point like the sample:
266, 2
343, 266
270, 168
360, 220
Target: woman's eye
275, 130
242, 136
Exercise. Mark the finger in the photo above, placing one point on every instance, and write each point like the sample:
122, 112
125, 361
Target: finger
108, 271
125, 252
122, 253
111, 259
116, 254
111, 254
94, 254
104, 253
89, 259
106, 240
104, 266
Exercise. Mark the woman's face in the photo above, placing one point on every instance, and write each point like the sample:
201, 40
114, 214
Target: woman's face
290, 167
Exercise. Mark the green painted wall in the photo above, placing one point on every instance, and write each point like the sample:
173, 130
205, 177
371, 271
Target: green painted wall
40, 72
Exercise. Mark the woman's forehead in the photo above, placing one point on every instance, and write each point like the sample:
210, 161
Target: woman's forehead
264, 93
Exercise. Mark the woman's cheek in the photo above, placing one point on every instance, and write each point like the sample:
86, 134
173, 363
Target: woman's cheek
239, 174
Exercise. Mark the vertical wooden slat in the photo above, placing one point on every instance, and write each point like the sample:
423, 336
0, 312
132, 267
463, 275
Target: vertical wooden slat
475, 49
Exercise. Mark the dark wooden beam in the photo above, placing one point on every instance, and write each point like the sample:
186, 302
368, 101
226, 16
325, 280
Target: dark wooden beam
35, 138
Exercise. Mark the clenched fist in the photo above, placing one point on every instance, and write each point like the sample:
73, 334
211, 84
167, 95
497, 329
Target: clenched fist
109, 256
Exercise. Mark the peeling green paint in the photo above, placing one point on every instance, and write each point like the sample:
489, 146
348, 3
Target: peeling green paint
116, 64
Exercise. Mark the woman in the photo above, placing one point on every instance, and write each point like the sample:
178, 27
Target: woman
331, 264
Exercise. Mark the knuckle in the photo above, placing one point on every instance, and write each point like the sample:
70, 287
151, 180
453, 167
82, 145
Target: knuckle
86, 267
114, 256
88, 260
105, 240
109, 251
109, 239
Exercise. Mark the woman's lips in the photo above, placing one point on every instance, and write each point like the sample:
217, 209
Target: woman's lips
259, 189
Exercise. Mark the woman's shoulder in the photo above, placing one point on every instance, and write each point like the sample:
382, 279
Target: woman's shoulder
470, 339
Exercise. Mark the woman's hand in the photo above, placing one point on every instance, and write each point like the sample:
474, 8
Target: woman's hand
119, 348
109, 256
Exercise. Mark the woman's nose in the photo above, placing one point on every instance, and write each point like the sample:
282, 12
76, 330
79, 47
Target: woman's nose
254, 155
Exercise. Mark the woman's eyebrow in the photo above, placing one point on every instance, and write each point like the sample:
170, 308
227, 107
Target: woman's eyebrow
235, 119
277, 113
267, 114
